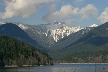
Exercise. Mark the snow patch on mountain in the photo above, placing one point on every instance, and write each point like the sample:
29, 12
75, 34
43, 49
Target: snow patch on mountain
22, 26
57, 30
62, 32
94, 25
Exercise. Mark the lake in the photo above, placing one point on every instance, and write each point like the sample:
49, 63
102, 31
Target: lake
61, 68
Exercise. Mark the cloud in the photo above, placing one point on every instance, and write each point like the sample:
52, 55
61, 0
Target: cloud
104, 16
68, 12
88, 12
21, 8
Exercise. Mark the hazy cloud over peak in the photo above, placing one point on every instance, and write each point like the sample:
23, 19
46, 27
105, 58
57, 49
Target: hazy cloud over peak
68, 11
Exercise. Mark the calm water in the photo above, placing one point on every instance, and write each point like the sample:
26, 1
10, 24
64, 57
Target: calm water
61, 68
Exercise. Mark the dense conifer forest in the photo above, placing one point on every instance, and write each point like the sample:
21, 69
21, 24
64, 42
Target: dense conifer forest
17, 53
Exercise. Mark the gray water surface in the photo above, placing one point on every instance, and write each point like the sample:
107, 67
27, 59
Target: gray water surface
60, 68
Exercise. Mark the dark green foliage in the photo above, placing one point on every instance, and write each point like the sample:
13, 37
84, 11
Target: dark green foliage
91, 47
80, 52
1, 60
99, 56
18, 53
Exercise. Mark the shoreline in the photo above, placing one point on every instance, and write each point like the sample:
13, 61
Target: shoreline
14, 66
82, 63
20, 66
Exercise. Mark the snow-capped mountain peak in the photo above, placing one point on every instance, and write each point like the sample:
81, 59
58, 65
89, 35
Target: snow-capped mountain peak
94, 25
63, 32
47, 34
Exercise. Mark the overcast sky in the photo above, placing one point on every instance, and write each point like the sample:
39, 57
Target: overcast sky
72, 12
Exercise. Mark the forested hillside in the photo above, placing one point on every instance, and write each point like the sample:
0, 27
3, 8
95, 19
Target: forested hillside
91, 47
18, 53
80, 56
99, 56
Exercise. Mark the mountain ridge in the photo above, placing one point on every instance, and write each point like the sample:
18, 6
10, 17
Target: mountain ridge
13, 31
55, 30
48, 35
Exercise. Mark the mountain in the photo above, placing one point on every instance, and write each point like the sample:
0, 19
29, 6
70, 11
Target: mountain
57, 30
13, 31
90, 43
48, 34
64, 42
54, 35
69, 44
97, 36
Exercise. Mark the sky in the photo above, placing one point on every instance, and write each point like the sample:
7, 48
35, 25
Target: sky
73, 12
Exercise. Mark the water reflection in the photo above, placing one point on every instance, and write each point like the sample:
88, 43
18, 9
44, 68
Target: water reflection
61, 68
